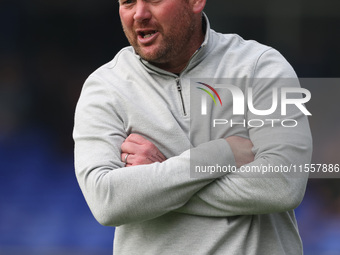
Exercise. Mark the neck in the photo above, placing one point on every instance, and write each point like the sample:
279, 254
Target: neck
178, 63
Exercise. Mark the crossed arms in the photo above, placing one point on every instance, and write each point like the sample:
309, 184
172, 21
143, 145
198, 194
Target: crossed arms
152, 186
145, 190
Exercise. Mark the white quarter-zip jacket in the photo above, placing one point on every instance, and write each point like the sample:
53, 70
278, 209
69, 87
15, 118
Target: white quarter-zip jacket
160, 208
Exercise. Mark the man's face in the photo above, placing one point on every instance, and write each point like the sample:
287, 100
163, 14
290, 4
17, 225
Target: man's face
160, 31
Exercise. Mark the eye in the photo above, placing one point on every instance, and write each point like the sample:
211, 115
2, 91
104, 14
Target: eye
126, 2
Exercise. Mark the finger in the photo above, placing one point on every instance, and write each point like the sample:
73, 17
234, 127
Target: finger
124, 157
129, 147
127, 158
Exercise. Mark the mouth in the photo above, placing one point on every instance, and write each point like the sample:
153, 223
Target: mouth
146, 34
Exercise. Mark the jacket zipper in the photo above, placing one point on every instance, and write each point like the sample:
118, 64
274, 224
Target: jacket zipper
179, 89
178, 82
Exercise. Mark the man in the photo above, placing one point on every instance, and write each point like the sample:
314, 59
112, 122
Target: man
134, 142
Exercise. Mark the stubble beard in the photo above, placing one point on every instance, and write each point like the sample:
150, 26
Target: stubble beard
173, 44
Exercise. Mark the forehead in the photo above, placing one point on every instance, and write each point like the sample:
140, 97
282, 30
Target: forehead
150, 1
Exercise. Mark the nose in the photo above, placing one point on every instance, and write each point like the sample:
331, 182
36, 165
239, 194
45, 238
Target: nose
142, 11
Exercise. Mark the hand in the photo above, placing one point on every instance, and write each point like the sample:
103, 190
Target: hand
140, 151
241, 148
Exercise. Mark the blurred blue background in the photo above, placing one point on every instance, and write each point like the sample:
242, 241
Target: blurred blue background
48, 48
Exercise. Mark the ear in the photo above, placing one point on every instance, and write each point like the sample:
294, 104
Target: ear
198, 5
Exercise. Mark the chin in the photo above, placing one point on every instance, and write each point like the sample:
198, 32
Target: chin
150, 57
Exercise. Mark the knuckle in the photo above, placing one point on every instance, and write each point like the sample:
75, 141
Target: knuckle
122, 146
132, 135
